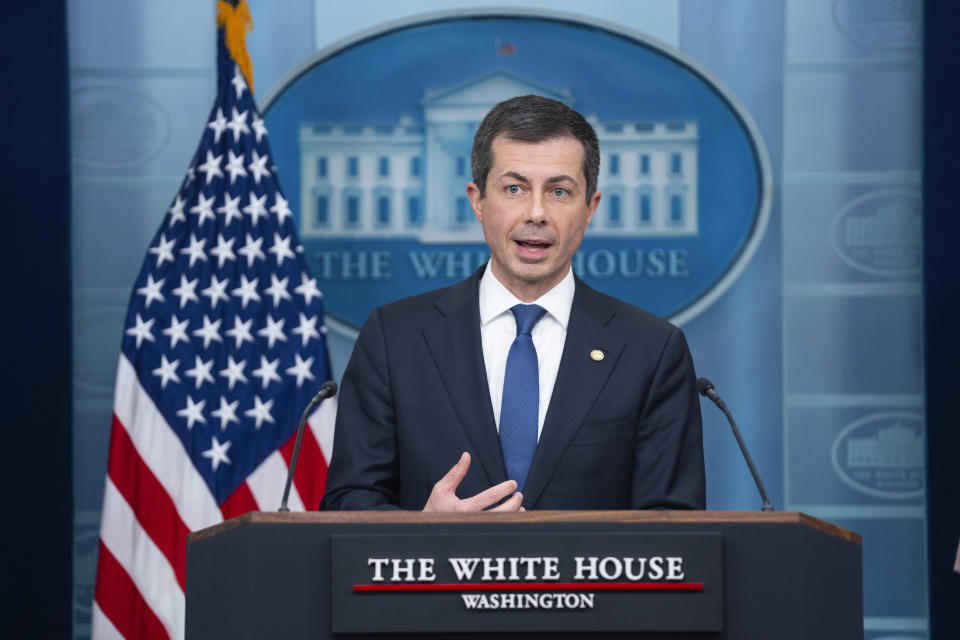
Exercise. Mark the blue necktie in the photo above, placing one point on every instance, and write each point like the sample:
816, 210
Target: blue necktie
521, 396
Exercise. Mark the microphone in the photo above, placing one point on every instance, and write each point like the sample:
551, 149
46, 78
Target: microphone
327, 389
705, 387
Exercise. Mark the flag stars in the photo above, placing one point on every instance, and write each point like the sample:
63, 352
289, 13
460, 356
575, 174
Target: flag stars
234, 372
258, 166
204, 208
227, 412
200, 372
301, 369
240, 331
167, 371
224, 250
281, 248
210, 332
247, 291
163, 250
260, 412
211, 167
256, 208
267, 372
252, 250
307, 329
231, 178
278, 289
177, 331
217, 291
186, 291
219, 125
307, 289
193, 412
235, 166
238, 124
281, 207
273, 331
258, 127
230, 209
151, 291
238, 82
217, 453
176, 211
195, 250
142, 330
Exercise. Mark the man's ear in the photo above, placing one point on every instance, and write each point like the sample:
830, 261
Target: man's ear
592, 206
476, 200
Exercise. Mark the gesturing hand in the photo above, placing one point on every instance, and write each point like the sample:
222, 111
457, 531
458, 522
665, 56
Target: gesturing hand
443, 497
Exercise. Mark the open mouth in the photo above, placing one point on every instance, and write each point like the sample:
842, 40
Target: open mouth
532, 248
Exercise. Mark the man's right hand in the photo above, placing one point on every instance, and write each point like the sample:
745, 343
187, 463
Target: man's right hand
443, 497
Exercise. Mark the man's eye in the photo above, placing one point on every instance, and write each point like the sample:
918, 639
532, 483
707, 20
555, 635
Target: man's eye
513, 189
559, 192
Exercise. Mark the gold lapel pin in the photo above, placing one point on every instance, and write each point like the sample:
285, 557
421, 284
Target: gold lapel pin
596, 355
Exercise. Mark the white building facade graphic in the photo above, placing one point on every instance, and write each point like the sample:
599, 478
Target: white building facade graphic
408, 179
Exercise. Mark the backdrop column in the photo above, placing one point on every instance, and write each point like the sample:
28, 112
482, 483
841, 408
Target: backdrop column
941, 282
35, 197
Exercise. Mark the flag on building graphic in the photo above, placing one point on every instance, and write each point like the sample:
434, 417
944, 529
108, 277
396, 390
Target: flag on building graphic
223, 347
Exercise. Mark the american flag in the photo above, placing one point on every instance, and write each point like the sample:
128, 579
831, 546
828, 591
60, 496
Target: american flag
223, 347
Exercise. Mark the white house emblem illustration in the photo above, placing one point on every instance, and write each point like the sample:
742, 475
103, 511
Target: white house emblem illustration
407, 178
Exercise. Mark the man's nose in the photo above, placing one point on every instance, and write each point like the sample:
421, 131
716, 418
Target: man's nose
538, 209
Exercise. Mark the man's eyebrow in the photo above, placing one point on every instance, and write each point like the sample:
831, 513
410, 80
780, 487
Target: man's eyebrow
562, 178
515, 176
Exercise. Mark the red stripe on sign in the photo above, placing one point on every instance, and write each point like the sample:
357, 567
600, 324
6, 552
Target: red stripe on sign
310, 476
121, 602
153, 507
240, 502
536, 586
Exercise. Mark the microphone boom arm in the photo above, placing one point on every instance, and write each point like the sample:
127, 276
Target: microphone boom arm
705, 387
328, 389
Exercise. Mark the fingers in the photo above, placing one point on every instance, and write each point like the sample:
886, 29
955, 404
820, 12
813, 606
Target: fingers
513, 504
443, 496
455, 476
493, 495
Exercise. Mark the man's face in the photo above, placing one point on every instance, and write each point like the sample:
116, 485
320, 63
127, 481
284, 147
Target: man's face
534, 212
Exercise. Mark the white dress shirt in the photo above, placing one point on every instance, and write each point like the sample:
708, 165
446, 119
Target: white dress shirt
498, 329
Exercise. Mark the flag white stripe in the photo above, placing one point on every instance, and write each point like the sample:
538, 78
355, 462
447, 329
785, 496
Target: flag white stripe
321, 424
162, 451
102, 627
267, 481
148, 568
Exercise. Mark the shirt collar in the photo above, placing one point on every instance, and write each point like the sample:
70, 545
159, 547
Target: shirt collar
495, 299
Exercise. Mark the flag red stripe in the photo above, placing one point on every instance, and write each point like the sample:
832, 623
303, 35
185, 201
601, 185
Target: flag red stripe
154, 509
310, 476
121, 602
240, 502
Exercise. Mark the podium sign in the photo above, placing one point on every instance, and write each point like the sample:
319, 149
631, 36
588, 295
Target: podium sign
517, 582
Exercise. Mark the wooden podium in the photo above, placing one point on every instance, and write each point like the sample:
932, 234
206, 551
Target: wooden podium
278, 575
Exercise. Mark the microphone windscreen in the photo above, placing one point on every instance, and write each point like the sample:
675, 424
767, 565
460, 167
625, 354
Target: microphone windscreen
704, 386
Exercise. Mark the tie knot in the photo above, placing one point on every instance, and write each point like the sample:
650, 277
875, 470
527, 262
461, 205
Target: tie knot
527, 315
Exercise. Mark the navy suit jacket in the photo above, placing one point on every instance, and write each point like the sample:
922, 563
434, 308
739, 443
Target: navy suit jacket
623, 432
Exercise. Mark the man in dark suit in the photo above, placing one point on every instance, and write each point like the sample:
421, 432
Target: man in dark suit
545, 393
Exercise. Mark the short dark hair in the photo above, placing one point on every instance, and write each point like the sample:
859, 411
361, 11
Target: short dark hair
533, 119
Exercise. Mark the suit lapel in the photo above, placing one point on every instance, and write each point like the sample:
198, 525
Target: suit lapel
454, 342
579, 380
